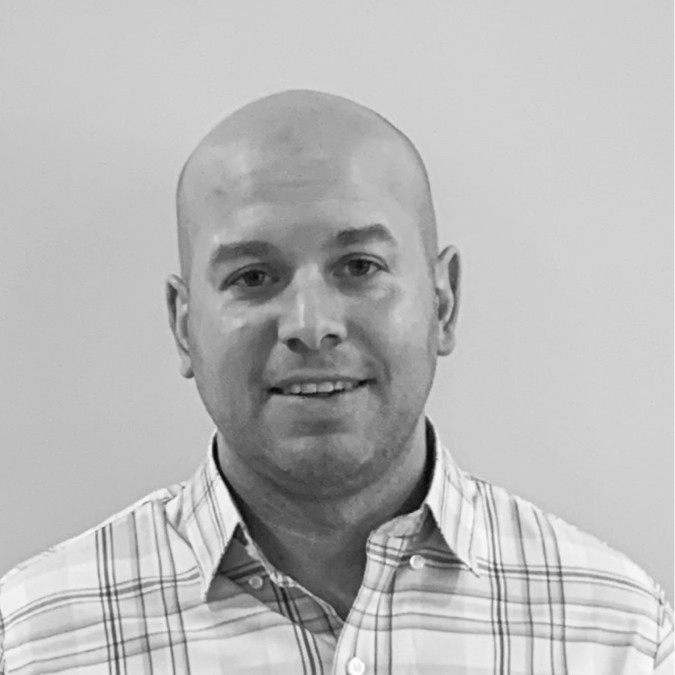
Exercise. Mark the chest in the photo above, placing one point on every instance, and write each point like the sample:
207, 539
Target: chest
415, 618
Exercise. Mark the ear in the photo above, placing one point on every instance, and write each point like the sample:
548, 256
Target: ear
447, 298
177, 300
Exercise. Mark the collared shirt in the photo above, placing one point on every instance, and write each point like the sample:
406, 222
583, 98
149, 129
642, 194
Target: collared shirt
476, 581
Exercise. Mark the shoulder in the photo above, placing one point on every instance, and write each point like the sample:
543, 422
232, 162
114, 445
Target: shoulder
597, 592
71, 570
522, 533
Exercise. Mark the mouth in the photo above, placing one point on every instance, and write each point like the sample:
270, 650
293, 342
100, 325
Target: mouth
336, 393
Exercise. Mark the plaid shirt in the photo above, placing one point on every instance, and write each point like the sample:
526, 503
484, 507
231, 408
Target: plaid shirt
476, 581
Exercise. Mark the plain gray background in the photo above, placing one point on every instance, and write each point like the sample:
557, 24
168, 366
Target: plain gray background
547, 130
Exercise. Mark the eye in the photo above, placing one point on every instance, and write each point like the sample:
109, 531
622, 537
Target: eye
361, 267
251, 278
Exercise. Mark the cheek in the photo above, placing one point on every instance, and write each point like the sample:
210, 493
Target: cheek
407, 312
226, 346
400, 326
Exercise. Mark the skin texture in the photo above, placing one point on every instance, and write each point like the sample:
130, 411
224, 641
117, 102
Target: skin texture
312, 477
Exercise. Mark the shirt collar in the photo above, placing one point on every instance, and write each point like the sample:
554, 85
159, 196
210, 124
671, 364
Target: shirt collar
209, 517
453, 500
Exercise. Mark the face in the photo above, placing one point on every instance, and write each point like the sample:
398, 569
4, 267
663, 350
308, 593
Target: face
308, 268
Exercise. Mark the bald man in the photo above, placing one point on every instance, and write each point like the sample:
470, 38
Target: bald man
328, 529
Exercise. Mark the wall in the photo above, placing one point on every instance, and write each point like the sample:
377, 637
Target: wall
547, 129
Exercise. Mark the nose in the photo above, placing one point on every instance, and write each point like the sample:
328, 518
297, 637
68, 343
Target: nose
312, 317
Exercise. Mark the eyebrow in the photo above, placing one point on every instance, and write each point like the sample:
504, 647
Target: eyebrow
375, 232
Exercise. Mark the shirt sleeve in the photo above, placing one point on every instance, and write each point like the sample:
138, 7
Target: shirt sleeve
664, 660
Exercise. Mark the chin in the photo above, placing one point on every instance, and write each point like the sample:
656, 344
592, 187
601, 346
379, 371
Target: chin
315, 457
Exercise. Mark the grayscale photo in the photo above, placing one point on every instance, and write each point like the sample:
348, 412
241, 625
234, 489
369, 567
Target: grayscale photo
338, 338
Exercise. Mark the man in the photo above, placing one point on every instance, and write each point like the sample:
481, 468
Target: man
328, 530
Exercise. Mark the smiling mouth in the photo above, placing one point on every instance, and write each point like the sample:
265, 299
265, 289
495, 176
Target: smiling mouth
320, 394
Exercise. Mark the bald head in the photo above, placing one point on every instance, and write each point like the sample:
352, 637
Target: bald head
286, 135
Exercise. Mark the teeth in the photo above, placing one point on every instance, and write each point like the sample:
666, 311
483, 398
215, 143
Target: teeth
318, 387
325, 387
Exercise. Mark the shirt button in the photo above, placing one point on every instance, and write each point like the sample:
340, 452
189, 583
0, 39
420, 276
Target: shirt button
255, 582
355, 666
417, 562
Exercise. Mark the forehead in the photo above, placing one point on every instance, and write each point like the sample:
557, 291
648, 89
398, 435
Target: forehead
241, 187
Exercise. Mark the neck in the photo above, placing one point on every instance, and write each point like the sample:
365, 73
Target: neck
323, 536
